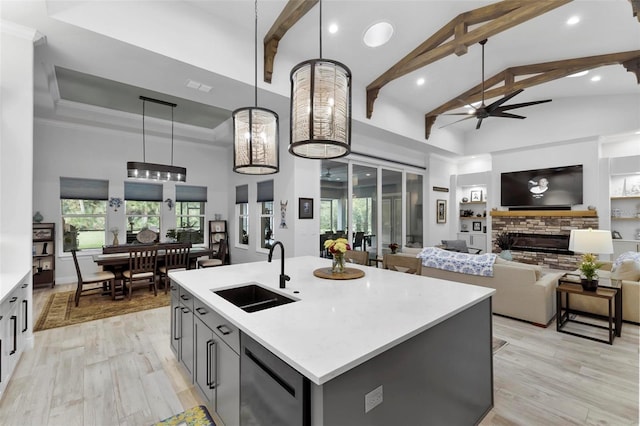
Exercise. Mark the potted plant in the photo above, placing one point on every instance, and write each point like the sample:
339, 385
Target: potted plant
589, 269
393, 247
504, 241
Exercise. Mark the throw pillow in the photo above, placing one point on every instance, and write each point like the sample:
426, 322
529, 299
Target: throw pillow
629, 270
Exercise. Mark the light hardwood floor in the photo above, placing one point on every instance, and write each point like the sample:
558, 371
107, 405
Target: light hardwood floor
121, 371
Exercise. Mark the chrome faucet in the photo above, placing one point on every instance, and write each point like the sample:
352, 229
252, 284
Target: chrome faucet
283, 278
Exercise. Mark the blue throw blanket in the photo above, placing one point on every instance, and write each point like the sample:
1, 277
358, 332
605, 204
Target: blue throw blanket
464, 263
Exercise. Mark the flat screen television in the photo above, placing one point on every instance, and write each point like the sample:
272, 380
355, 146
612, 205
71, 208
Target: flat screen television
552, 187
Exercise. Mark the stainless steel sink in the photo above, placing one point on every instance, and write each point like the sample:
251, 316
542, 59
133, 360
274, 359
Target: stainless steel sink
252, 297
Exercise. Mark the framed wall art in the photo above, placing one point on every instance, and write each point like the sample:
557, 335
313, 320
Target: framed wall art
441, 211
476, 195
305, 208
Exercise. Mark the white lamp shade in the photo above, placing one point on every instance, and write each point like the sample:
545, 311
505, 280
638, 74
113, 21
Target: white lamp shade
591, 241
320, 109
255, 141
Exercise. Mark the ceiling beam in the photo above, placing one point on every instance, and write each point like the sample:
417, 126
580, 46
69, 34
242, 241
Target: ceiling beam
536, 74
495, 18
292, 12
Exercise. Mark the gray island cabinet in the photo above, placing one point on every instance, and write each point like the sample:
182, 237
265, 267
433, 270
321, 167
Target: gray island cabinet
387, 348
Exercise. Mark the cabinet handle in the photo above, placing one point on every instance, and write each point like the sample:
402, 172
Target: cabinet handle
226, 330
201, 311
211, 344
25, 285
175, 323
13, 299
15, 334
183, 297
25, 304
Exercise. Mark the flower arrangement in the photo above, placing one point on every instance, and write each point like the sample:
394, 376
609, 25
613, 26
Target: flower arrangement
393, 247
337, 246
504, 240
589, 266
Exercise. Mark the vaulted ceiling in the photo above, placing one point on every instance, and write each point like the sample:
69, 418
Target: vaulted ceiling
162, 46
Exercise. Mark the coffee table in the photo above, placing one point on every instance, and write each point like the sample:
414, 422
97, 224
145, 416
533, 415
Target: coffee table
568, 285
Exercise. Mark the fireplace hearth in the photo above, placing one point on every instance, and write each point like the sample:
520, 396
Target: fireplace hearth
558, 244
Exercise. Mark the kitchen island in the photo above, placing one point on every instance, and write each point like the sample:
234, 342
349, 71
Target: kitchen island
422, 345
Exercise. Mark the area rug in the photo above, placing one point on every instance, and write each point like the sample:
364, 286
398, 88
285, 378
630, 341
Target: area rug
196, 416
60, 309
497, 344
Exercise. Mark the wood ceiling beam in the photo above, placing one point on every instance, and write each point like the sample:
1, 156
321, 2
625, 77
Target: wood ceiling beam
292, 12
494, 18
538, 74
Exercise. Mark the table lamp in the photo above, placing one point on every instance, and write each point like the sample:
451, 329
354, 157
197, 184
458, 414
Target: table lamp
590, 242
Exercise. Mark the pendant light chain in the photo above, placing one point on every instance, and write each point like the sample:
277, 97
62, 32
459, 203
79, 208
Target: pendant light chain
172, 135
320, 29
144, 141
255, 52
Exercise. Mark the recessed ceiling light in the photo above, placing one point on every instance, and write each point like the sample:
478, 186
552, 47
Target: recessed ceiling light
333, 28
596, 78
420, 81
578, 74
378, 34
573, 20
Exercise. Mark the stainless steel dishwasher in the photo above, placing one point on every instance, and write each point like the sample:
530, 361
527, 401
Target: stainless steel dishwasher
271, 392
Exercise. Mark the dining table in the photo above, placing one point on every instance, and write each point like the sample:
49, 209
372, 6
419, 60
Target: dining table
119, 262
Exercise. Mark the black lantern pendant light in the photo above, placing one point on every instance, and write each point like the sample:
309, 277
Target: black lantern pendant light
320, 108
151, 171
255, 132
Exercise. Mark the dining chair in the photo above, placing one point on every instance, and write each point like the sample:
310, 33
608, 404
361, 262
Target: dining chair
218, 259
357, 256
142, 269
358, 240
106, 280
176, 257
402, 263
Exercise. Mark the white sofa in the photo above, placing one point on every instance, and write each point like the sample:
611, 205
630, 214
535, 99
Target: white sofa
523, 291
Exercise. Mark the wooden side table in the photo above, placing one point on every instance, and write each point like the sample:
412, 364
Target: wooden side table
606, 293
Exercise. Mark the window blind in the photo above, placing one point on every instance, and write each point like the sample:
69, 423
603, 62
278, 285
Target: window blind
242, 194
191, 193
265, 191
83, 189
142, 191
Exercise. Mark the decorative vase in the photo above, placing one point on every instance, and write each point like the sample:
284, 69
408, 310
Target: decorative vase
337, 267
37, 218
589, 285
506, 255
393, 251
115, 240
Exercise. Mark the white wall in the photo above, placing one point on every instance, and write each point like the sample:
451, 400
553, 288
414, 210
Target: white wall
69, 150
585, 153
16, 147
439, 172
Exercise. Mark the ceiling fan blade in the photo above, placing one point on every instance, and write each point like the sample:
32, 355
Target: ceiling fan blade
499, 102
479, 123
506, 115
524, 104
457, 121
465, 103
460, 113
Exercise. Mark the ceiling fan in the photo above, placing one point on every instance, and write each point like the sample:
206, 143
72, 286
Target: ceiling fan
328, 174
494, 109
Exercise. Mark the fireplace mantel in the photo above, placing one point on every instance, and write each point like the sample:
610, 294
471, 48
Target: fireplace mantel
548, 213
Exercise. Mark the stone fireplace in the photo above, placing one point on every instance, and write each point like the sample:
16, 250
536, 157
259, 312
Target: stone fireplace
542, 236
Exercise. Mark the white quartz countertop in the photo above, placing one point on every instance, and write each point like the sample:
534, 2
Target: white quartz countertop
9, 281
334, 325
